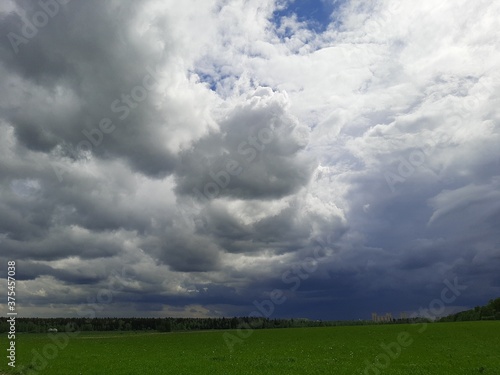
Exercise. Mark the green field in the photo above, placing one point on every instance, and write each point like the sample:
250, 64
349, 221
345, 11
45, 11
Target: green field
442, 348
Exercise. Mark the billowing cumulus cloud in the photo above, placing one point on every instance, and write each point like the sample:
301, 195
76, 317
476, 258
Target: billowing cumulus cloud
255, 153
188, 159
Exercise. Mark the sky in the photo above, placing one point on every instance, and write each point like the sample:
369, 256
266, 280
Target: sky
306, 159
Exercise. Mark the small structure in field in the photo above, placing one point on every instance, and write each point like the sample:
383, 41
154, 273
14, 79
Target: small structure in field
54, 330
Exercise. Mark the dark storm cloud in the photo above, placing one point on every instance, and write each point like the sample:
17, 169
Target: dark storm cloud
285, 231
186, 252
27, 270
93, 83
422, 233
61, 243
279, 230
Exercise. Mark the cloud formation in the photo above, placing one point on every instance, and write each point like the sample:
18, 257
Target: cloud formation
195, 157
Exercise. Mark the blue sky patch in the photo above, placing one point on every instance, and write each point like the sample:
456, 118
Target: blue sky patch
315, 13
207, 78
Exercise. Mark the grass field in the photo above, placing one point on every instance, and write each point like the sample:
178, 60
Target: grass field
447, 348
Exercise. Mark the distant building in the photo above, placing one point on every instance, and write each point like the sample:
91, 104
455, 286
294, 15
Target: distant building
403, 315
53, 330
382, 318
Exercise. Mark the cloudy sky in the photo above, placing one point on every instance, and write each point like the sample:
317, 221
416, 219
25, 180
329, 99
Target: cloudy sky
166, 158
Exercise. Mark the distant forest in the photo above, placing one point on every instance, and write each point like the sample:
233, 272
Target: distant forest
489, 312
37, 325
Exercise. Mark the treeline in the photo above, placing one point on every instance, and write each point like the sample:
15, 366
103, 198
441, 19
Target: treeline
489, 312
39, 325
